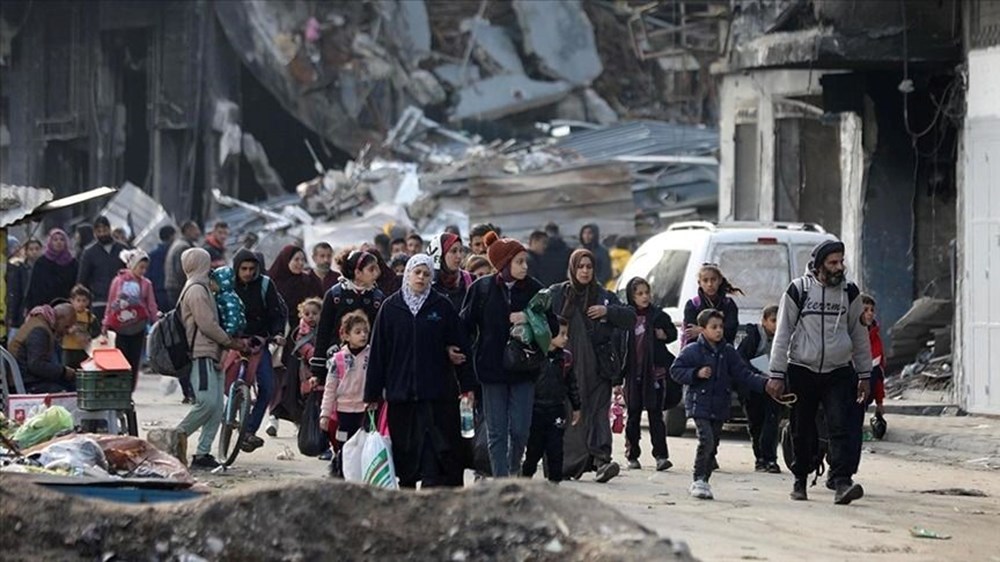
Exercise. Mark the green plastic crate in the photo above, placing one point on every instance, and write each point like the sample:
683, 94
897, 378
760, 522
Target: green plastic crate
104, 390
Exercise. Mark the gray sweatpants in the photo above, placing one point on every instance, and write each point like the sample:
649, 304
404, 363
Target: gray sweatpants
207, 411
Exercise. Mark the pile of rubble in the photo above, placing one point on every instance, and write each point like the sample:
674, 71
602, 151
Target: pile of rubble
919, 357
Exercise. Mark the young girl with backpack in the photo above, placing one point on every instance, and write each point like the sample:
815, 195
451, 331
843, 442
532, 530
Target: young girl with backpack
713, 294
343, 395
131, 308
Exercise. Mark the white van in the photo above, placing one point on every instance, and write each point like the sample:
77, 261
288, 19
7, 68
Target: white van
759, 258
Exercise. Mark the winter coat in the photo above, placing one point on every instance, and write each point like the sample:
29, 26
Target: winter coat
17, 288
455, 294
648, 366
157, 275
294, 288
232, 313
343, 298
127, 281
755, 343
619, 317
345, 389
602, 269
711, 398
409, 357
824, 335
98, 267
486, 312
198, 310
173, 274
878, 363
34, 350
727, 306
557, 383
265, 309
46, 281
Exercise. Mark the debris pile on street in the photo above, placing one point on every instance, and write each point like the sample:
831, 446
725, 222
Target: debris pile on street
920, 357
292, 521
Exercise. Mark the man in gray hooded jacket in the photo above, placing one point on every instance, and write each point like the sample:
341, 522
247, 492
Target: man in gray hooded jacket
822, 354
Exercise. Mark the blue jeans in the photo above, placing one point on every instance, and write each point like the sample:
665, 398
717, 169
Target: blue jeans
265, 389
508, 424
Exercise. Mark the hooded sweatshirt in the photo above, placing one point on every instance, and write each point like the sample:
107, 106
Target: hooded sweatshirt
265, 309
197, 307
602, 269
826, 334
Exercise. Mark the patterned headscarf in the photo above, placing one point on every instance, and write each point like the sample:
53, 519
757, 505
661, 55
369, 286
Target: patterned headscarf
415, 301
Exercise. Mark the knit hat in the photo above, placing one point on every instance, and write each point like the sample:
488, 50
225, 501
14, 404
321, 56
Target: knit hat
823, 250
441, 245
474, 262
131, 258
501, 251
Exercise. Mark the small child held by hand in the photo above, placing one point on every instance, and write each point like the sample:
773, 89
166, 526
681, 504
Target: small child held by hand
86, 328
345, 384
709, 368
304, 338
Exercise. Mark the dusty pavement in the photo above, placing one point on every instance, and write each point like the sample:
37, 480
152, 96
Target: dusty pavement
752, 517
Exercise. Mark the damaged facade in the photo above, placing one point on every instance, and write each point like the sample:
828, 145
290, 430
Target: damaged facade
861, 116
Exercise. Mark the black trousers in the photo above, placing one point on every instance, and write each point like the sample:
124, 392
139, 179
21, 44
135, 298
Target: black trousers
546, 438
131, 348
709, 433
837, 392
763, 415
633, 432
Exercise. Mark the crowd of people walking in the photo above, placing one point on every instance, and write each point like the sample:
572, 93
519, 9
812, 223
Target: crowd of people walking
530, 337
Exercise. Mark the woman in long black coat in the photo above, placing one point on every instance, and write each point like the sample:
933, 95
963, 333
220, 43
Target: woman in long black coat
410, 367
595, 315
54, 272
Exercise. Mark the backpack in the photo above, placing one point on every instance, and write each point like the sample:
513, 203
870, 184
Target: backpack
167, 347
128, 314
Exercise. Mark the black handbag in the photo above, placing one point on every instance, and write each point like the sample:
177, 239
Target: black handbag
612, 354
519, 357
312, 440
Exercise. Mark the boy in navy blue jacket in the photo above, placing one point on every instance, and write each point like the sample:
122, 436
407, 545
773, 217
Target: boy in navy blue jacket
709, 367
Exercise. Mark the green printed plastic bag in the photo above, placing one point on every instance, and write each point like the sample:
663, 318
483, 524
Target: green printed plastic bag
538, 306
44, 426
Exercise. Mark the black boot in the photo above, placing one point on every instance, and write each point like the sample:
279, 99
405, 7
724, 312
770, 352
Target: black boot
847, 492
799, 490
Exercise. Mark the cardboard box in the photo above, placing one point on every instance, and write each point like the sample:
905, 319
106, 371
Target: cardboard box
20, 407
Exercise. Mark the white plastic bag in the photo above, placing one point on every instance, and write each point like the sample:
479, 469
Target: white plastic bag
352, 453
376, 461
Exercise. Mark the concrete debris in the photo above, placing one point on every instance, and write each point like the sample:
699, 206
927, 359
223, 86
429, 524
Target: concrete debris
493, 47
457, 75
425, 88
263, 172
500, 96
586, 106
407, 27
562, 37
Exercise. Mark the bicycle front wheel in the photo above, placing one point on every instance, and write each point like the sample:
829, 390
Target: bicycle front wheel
234, 423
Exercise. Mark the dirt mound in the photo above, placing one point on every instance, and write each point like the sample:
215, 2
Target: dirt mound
322, 520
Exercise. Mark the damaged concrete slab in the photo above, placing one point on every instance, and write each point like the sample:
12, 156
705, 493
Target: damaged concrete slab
493, 47
562, 37
455, 75
499, 96
408, 27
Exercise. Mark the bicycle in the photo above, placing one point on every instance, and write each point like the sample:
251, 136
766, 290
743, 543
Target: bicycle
239, 402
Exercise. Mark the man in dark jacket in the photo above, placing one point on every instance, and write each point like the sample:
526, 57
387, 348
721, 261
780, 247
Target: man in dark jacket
99, 265
762, 412
555, 385
173, 275
157, 268
266, 315
822, 352
555, 260
537, 242
34, 349
590, 238
215, 243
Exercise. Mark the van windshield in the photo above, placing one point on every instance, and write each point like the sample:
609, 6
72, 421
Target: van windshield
760, 270
664, 271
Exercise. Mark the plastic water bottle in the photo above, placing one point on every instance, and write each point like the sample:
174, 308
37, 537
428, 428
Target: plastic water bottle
465, 412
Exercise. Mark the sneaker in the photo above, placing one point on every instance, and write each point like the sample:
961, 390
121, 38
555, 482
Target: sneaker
187, 400
701, 489
773, 468
663, 464
326, 455
251, 443
760, 466
848, 492
204, 461
272, 426
633, 464
799, 491
607, 472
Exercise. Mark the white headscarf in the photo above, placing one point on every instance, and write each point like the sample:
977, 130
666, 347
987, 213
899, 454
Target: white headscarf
131, 258
415, 301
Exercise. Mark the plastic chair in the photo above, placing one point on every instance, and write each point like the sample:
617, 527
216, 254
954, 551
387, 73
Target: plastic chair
9, 371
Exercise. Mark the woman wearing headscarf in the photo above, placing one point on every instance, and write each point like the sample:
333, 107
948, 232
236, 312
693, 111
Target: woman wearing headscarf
131, 308
415, 335
494, 305
449, 278
595, 318
54, 272
295, 284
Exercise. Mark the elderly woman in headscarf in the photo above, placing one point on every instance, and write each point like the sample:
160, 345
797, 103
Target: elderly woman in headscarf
596, 322
416, 335
54, 272
131, 308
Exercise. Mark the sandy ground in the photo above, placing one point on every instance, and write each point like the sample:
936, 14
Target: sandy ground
752, 517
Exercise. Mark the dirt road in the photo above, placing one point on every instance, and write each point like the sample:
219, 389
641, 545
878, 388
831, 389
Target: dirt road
752, 517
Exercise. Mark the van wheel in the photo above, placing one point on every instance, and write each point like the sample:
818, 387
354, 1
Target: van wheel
676, 421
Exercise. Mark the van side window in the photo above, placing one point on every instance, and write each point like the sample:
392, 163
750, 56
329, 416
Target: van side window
667, 277
760, 270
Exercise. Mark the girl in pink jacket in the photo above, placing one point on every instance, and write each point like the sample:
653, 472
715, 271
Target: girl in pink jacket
131, 308
343, 395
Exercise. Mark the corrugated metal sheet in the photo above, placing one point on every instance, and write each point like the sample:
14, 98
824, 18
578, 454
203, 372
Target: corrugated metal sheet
19, 201
641, 138
133, 208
